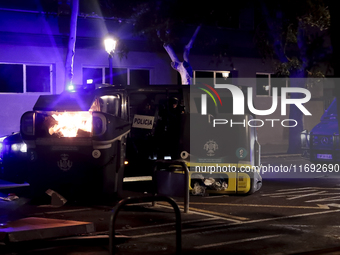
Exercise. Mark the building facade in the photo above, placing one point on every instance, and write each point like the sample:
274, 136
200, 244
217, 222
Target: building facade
33, 48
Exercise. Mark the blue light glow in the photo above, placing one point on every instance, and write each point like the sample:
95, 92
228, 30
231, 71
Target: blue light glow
70, 87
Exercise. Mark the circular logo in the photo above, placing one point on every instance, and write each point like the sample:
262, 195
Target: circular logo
241, 153
324, 140
96, 154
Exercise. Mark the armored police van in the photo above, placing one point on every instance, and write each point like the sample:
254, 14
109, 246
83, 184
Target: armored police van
321, 144
77, 143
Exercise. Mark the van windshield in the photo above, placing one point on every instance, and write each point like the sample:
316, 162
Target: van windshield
331, 112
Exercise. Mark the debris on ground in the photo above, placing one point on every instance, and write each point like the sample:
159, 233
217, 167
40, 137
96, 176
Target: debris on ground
56, 198
10, 197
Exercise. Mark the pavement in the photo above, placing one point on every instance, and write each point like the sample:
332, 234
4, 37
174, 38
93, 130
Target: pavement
91, 236
274, 149
53, 228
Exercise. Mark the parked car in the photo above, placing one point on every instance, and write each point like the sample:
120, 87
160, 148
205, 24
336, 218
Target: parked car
321, 144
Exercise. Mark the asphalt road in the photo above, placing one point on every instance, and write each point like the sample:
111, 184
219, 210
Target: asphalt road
294, 214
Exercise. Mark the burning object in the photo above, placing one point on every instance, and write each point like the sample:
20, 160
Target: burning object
70, 124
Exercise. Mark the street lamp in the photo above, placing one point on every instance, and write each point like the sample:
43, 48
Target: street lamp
110, 45
225, 74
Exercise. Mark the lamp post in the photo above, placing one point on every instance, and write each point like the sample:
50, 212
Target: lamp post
110, 45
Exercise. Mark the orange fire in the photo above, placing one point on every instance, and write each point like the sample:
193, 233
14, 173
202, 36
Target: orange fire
69, 124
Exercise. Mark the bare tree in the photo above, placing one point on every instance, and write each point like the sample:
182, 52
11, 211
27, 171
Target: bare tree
183, 67
169, 22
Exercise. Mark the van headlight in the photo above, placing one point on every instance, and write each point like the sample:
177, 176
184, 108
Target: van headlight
2, 147
27, 123
99, 124
16, 147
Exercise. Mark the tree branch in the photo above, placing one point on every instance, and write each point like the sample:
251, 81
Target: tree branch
188, 47
172, 55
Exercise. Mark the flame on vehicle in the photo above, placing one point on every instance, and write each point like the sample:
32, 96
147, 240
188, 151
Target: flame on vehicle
71, 124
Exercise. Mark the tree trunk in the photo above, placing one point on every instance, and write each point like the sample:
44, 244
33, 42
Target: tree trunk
297, 80
71, 43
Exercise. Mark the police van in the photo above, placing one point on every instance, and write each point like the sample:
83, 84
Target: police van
321, 144
78, 142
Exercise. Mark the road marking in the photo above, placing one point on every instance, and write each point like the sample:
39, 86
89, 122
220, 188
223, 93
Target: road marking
280, 190
324, 199
271, 206
165, 224
287, 193
238, 223
329, 188
154, 234
213, 214
335, 205
236, 241
306, 195
228, 216
216, 196
327, 194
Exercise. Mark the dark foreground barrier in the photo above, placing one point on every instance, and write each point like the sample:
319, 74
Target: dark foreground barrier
135, 200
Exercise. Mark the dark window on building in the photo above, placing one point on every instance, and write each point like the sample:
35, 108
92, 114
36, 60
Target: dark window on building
139, 78
94, 74
262, 84
205, 77
11, 78
38, 79
119, 76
